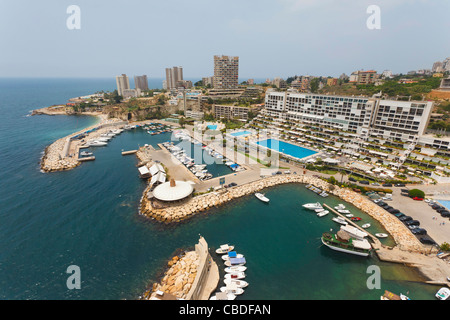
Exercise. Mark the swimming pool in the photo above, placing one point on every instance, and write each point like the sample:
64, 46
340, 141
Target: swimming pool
212, 127
445, 203
286, 148
241, 133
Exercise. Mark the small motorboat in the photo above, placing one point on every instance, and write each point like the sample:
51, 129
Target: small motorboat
232, 254
238, 283
343, 211
235, 269
349, 215
262, 197
224, 248
232, 289
223, 296
86, 154
312, 206
340, 206
228, 263
235, 276
340, 220
322, 213
355, 218
365, 226
443, 294
381, 235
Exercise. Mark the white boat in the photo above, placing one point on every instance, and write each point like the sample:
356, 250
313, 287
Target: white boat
343, 211
96, 144
340, 206
224, 248
262, 197
381, 235
340, 220
235, 269
226, 257
232, 289
346, 244
238, 283
227, 263
323, 213
443, 294
319, 210
313, 206
223, 296
323, 194
365, 226
354, 232
235, 276
349, 215
86, 154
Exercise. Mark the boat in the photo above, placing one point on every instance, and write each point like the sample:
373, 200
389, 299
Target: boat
365, 226
86, 154
224, 248
381, 235
323, 194
223, 296
232, 254
349, 215
235, 276
235, 262
404, 297
312, 206
340, 220
235, 269
391, 296
322, 213
238, 283
262, 197
443, 294
341, 241
232, 288
340, 206
355, 218
343, 211
354, 232
96, 144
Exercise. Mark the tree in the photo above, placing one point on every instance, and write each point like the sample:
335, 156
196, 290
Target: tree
314, 84
445, 246
416, 193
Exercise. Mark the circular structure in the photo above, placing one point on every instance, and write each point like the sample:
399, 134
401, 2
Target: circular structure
173, 190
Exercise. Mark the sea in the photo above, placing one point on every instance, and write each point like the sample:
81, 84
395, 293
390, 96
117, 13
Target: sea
88, 217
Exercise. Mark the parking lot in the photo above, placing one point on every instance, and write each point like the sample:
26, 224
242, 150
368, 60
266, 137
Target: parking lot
424, 216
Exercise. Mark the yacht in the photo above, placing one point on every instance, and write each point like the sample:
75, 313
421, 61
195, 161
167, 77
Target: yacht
262, 197
313, 206
354, 232
322, 213
96, 143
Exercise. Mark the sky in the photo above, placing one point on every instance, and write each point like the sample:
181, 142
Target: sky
273, 38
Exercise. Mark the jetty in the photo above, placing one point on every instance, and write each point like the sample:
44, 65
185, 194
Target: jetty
125, 153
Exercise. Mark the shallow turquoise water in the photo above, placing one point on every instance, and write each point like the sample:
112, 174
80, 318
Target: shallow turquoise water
88, 217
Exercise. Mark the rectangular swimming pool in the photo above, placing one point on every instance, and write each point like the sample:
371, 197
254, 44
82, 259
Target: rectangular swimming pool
212, 127
286, 148
445, 203
241, 133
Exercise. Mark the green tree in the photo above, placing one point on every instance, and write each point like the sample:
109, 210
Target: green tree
314, 85
416, 193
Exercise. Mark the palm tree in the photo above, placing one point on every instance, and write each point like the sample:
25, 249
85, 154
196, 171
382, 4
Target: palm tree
343, 173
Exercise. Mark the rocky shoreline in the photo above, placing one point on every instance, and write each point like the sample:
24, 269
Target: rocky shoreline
179, 277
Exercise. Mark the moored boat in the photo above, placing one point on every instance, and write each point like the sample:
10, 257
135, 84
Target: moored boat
340, 220
354, 232
365, 226
381, 235
238, 283
342, 242
322, 213
312, 206
224, 248
232, 288
235, 269
262, 197
235, 276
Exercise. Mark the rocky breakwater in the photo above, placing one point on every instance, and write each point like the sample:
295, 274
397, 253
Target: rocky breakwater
178, 279
176, 213
54, 160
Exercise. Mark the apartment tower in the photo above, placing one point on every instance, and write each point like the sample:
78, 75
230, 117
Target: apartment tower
173, 75
123, 83
226, 72
141, 82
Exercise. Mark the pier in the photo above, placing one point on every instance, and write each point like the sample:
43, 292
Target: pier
125, 153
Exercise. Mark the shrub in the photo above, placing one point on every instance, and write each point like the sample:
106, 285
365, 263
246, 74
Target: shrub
445, 246
416, 193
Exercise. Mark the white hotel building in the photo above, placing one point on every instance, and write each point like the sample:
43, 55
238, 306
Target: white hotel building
385, 119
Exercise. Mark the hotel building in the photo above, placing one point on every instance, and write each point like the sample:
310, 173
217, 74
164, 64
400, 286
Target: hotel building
386, 119
230, 112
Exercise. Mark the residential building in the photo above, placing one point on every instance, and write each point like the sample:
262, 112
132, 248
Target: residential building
131, 93
184, 84
445, 84
366, 77
208, 81
123, 83
230, 112
173, 75
141, 82
332, 81
226, 72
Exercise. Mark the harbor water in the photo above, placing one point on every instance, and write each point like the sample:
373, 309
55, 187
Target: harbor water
88, 217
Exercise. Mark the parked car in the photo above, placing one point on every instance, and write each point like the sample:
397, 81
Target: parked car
364, 182
405, 218
440, 210
387, 184
399, 184
436, 207
375, 184
445, 214
381, 203
419, 231
399, 215
418, 199
413, 223
352, 179
393, 211
426, 240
